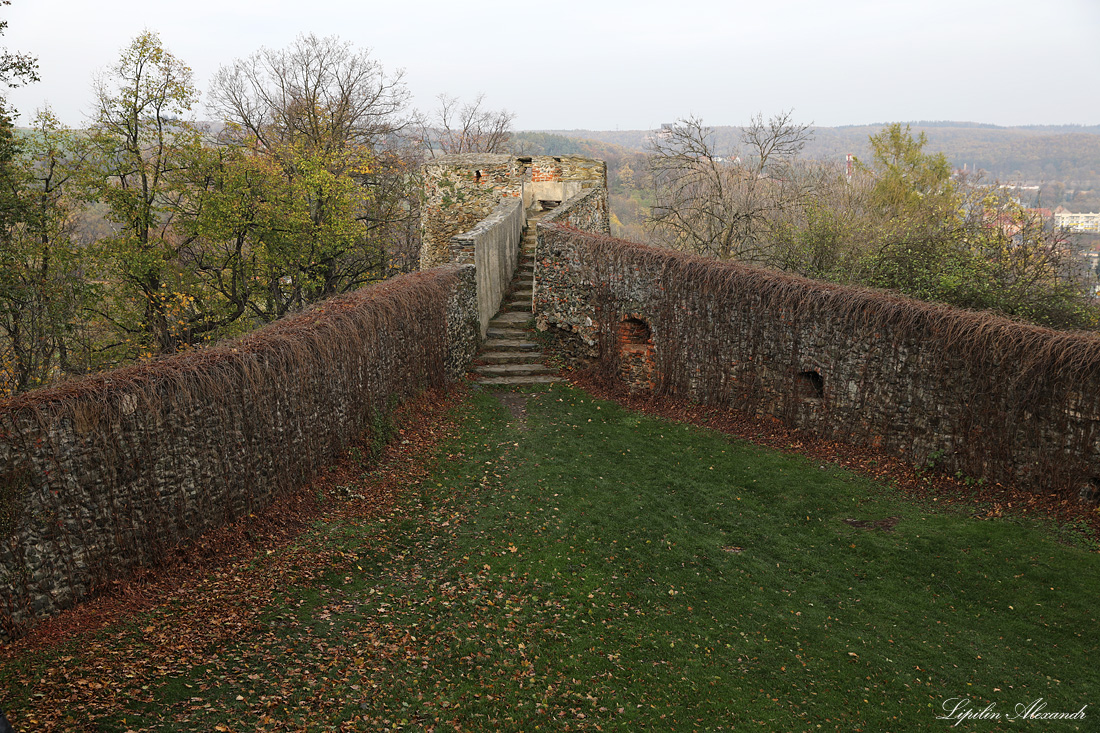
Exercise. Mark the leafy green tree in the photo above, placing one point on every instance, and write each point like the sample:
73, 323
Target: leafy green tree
251, 231
41, 286
233, 209
905, 177
44, 292
955, 241
140, 143
328, 116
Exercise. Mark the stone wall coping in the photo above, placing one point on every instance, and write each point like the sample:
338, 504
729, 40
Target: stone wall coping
563, 211
471, 160
505, 208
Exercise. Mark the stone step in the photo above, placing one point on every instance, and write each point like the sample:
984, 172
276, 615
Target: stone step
518, 381
512, 370
511, 357
508, 334
511, 318
510, 344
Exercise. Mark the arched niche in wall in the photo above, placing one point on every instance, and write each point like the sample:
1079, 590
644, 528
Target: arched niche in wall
637, 362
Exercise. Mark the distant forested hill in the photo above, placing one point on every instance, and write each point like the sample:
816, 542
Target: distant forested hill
1066, 153
547, 143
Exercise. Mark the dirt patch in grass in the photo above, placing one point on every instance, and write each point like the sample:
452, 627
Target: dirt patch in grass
516, 402
884, 525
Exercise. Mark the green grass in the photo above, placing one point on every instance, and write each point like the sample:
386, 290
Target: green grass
601, 570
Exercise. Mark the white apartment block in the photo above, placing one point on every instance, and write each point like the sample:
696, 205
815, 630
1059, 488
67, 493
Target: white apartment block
1076, 222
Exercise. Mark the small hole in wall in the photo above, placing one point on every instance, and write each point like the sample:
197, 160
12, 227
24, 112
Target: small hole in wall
1090, 492
811, 384
477, 176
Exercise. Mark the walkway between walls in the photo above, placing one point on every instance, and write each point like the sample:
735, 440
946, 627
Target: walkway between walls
509, 357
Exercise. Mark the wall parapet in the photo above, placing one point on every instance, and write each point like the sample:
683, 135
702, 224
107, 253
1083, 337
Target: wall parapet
493, 248
971, 392
106, 473
585, 210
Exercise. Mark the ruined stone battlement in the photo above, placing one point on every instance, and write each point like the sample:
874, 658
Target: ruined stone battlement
461, 190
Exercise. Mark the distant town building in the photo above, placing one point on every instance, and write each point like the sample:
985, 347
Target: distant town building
1076, 222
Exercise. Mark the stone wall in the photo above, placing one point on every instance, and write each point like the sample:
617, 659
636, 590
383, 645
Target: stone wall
110, 472
461, 190
586, 210
963, 391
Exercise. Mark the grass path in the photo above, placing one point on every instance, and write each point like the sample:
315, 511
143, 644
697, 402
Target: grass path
596, 569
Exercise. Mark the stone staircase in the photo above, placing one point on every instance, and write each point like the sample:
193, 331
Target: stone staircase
508, 357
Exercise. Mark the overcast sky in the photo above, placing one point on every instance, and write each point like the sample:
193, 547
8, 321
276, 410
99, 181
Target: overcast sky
607, 64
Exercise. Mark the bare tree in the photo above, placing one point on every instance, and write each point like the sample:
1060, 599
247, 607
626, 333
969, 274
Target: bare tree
723, 203
467, 127
321, 91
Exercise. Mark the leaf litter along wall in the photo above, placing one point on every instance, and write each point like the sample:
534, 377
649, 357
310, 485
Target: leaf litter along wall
964, 391
109, 472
